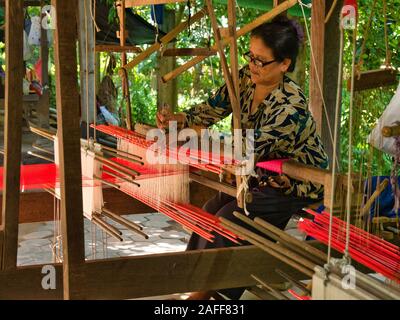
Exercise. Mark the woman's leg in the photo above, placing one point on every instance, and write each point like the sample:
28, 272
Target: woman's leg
269, 205
211, 206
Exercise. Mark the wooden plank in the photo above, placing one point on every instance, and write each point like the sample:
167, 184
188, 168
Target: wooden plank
233, 51
117, 48
122, 42
305, 172
317, 61
158, 274
136, 3
331, 72
68, 124
241, 32
374, 79
213, 184
38, 206
166, 93
14, 17
43, 107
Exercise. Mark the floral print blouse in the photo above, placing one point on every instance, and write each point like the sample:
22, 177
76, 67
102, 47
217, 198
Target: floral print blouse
284, 128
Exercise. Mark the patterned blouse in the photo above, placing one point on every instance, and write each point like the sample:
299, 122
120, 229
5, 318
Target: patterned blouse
284, 128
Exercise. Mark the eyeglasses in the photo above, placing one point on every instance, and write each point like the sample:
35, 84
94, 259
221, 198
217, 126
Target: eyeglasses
257, 62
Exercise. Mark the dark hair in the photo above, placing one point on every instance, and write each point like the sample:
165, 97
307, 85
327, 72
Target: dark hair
283, 36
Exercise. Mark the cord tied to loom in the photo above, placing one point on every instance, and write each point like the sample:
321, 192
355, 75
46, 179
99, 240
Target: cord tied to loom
244, 186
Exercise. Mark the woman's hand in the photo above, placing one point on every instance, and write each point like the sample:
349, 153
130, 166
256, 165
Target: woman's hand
165, 115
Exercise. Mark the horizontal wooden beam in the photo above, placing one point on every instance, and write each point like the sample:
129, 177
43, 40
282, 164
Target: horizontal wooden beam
136, 3
304, 172
223, 187
39, 206
145, 276
116, 48
374, 79
158, 274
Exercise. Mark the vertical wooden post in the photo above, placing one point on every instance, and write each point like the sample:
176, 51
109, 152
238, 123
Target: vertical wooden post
122, 41
86, 61
167, 92
69, 142
331, 71
12, 130
44, 102
317, 69
228, 76
233, 50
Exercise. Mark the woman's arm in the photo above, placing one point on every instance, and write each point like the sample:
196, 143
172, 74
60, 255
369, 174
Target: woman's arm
216, 108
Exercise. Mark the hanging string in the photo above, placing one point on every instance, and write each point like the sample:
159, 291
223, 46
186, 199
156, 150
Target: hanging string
93, 15
350, 154
328, 16
154, 17
239, 9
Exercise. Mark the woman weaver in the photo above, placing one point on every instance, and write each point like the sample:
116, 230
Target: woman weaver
275, 107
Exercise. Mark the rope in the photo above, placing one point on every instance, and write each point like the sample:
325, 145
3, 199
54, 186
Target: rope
157, 40
328, 16
245, 186
93, 16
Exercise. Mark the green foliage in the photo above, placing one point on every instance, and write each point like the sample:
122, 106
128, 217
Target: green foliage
369, 104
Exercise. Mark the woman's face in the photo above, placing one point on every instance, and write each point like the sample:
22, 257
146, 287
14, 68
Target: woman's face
271, 73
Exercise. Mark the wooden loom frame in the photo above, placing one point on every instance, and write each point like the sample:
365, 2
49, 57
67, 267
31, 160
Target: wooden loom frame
100, 279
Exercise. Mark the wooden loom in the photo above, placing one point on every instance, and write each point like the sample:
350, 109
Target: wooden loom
83, 279
124, 277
